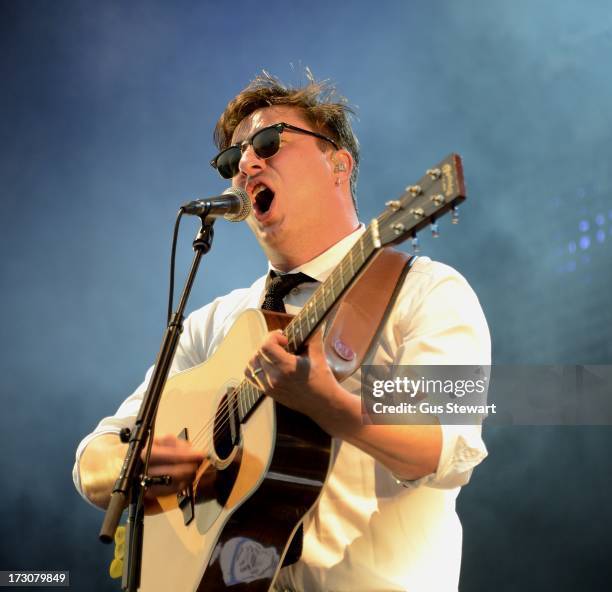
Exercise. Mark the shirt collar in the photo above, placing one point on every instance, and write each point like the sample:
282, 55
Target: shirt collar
322, 265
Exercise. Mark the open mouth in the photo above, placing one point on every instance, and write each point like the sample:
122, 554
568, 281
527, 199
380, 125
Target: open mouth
263, 199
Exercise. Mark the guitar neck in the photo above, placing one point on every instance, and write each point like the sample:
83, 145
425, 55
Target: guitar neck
439, 191
305, 323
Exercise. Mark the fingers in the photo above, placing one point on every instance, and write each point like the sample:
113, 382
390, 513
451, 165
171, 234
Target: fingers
175, 458
182, 473
170, 450
271, 358
274, 349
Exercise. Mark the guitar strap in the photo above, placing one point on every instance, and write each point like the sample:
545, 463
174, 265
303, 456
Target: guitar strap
352, 328
354, 325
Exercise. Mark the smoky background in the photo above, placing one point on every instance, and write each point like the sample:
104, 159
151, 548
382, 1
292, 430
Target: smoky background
105, 128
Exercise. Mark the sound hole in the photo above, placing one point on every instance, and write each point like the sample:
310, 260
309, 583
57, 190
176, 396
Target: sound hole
227, 427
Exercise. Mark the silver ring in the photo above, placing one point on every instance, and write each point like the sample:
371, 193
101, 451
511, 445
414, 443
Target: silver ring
257, 371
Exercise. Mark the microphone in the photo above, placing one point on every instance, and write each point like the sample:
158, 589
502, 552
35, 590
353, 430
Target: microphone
234, 205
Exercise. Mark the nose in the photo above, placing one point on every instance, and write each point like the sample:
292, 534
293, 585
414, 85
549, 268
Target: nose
250, 163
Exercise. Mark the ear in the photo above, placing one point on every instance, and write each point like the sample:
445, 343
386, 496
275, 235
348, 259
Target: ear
343, 165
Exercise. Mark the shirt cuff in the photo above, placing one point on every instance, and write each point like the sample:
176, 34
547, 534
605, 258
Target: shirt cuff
462, 450
76, 469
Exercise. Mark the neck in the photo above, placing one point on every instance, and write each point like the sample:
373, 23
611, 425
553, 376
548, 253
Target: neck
302, 252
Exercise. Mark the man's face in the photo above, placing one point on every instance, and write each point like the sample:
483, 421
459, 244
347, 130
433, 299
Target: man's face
296, 208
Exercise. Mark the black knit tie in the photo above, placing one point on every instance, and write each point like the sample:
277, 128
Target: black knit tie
279, 286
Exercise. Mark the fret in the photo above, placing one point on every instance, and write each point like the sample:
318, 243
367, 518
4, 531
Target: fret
231, 416
356, 261
351, 262
313, 313
247, 398
310, 319
343, 273
346, 277
324, 291
241, 410
319, 308
249, 394
331, 288
290, 335
338, 280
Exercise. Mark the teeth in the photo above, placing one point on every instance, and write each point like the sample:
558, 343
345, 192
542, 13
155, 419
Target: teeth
258, 189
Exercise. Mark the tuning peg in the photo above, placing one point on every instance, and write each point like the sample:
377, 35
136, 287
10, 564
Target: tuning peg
415, 244
455, 215
435, 231
398, 228
434, 173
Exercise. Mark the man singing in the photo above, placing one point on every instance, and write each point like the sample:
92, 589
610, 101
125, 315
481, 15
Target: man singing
385, 520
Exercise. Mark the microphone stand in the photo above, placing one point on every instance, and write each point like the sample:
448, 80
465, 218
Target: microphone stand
131, 483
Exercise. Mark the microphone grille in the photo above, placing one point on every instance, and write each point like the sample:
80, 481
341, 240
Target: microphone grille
245, 204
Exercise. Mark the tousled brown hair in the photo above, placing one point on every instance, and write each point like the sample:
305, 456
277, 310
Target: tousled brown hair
328, 112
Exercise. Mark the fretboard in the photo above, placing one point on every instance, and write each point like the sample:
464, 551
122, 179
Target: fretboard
314, 311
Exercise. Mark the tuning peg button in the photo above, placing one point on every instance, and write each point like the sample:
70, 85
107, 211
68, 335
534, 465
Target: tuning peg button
435, 231
415, 244
455, 215
398, 228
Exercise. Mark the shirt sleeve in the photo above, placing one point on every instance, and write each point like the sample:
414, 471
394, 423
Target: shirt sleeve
439, 321
192, 350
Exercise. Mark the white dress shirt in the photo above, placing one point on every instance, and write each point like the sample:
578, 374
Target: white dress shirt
369, 531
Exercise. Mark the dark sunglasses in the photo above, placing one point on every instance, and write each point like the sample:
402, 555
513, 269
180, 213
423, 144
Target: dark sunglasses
265, 142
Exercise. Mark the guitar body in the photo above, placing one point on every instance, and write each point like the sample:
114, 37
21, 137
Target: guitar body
230, 531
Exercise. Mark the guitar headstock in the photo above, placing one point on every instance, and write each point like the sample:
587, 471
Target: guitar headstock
441, 189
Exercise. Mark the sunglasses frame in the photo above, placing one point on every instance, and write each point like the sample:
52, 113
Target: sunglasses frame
280, 128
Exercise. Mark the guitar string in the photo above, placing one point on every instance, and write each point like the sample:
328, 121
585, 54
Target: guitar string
203, 436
